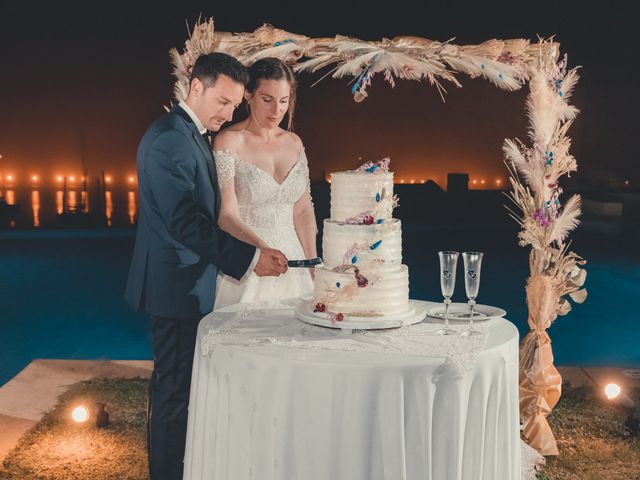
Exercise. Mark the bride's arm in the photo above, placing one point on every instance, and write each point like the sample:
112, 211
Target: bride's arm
304, 218
229, 219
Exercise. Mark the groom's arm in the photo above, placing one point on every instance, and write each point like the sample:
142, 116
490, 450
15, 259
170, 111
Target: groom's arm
170, 169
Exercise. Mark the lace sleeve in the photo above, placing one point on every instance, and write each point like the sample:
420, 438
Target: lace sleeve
226, 163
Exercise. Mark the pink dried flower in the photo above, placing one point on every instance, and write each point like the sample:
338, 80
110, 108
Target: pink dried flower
362, 280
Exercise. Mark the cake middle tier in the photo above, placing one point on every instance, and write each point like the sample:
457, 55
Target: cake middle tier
380, 246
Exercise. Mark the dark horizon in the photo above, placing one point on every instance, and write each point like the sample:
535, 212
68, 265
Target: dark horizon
100, 75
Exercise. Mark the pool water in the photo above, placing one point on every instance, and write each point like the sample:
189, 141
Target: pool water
61, 294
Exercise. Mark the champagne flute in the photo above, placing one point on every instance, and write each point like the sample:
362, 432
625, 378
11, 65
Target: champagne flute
472, 264
448, 263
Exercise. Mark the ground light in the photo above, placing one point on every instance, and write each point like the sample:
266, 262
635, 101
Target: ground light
80, 414
615, 395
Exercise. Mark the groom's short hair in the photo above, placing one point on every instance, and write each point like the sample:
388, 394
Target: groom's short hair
210, 66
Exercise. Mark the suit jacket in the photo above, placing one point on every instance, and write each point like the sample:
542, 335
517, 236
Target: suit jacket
179, 246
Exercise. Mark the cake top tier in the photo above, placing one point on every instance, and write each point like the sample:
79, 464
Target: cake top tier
364, 195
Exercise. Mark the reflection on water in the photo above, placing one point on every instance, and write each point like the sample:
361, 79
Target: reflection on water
108, 206
84, 200
72, 200
35, 206
59, 202
40, 207
132, 207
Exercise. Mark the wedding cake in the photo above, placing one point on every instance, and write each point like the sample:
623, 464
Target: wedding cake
362, 273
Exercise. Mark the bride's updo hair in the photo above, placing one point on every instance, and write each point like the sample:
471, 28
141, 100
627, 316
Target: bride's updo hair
270, 68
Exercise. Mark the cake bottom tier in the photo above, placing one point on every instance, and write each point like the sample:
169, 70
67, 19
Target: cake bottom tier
388, 294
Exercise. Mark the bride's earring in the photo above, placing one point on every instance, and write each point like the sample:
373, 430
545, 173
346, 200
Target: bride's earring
247, 100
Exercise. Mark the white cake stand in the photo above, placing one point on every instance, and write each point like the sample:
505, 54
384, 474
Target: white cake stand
415, 313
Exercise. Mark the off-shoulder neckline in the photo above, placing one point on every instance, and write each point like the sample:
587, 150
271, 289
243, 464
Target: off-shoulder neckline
228, 151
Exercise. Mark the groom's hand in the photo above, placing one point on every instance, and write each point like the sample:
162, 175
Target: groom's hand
271, 263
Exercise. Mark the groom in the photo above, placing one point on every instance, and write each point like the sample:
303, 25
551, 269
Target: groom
179, 247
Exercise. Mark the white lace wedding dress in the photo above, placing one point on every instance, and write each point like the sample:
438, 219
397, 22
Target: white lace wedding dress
266, 206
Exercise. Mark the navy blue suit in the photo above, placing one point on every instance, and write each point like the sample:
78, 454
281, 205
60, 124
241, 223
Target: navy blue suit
178, 251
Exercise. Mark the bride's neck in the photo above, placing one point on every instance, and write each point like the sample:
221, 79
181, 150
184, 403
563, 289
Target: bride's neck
253, 126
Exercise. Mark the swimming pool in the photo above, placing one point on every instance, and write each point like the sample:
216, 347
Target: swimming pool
61, 294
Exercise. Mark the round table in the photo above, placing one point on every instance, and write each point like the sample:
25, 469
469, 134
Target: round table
272, 410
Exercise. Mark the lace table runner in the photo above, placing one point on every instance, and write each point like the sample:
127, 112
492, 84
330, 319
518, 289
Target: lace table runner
280, 327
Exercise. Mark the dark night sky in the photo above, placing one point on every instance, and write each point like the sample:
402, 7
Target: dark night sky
102, 70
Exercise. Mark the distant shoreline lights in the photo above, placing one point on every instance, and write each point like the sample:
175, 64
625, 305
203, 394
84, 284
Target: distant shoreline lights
11, 180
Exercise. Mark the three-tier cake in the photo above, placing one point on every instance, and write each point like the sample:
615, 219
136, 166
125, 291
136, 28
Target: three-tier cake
362, 274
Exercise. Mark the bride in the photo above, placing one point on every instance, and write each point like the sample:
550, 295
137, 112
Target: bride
264, 182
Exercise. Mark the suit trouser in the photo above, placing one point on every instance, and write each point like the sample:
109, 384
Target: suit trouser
173, 346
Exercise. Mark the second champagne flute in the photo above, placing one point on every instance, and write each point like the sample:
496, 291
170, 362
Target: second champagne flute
472, 264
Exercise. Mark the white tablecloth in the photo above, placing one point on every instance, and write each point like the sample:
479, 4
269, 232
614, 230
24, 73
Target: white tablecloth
278, 403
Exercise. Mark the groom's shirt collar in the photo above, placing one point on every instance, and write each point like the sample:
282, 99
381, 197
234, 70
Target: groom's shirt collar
201, 128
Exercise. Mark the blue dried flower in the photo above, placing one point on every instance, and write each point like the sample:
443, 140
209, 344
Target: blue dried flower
378, 197
380, 220
354, 259
375, 245
549, 157
338, 284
